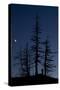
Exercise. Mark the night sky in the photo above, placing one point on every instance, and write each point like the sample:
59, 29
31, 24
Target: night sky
23, 19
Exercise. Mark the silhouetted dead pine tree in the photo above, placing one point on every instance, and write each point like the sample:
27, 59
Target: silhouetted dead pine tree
49, 62
36, 45
25, 62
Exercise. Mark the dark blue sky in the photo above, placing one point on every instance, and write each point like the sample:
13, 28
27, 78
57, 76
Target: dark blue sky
23, 19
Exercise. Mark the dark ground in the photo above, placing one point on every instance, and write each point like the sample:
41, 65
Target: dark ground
32, 80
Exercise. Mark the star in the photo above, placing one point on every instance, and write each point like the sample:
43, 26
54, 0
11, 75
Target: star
15, 40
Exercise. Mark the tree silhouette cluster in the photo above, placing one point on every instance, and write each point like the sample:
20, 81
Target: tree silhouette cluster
25, 57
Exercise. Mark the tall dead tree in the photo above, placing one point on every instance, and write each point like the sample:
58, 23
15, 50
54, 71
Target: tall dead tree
36, 45
25, 61
49, 62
